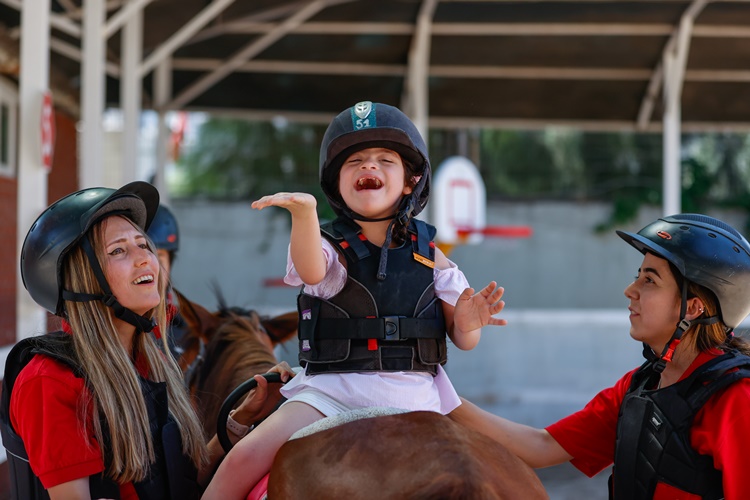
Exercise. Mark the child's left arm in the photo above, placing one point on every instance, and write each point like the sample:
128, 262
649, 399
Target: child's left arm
472, 311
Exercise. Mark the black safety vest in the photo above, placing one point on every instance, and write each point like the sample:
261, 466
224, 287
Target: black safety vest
395, 324
653, 431
172, 475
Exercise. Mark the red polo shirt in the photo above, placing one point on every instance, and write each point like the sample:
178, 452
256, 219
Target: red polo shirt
45, 411
719, 429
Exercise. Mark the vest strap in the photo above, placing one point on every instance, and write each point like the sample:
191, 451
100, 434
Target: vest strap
384, 328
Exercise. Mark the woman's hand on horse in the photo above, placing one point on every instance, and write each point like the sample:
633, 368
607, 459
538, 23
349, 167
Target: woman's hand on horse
259, 403
296, 203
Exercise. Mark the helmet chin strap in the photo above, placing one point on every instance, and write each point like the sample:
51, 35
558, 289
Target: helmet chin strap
402, 217
141, 323
682, 326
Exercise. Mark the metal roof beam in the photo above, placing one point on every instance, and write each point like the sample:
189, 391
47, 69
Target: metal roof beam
57, 21
251, 27
674, 61
463, 122
248, 52
74, 53
272, 14
177, 39
309, 68
123, 16
415, 98
455, 71
652, 92
109, 6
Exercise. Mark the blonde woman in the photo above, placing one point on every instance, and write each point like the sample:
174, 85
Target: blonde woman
99, 410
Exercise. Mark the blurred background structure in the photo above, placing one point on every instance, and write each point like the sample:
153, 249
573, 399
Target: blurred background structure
581, 116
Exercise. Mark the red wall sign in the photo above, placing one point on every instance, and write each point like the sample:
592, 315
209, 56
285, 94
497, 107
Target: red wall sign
48, 131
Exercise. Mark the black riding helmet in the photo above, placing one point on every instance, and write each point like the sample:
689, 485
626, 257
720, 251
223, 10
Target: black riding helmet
706, 251
65, 224
164, 231
373, 125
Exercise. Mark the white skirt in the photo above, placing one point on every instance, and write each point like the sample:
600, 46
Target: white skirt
334, 393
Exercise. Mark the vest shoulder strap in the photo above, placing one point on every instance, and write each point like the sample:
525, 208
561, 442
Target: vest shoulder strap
716, 375
344, 234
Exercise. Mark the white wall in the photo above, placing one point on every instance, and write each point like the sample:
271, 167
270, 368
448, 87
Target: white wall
567, 336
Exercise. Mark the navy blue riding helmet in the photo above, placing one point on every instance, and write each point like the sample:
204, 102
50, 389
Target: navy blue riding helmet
373, 125
66, 224
164, 231
706, 251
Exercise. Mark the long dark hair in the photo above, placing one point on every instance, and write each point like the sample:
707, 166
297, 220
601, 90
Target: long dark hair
411, 178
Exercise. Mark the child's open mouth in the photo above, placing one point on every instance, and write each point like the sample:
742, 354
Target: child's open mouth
369, 183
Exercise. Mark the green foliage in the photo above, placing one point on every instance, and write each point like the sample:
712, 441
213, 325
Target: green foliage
517, 164
234, 159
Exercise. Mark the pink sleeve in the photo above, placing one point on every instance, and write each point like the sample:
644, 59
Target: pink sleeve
332, 283
450, 283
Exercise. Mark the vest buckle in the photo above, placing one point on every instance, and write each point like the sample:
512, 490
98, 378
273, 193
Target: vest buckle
391, 328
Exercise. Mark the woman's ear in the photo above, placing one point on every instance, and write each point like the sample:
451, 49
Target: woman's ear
695, 308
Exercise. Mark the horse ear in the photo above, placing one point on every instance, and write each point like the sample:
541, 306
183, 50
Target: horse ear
283, 327
198, 318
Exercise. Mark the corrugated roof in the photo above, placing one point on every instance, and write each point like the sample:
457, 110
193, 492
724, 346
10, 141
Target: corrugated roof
505, 63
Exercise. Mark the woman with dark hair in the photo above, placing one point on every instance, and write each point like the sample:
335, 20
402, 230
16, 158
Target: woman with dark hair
675, 428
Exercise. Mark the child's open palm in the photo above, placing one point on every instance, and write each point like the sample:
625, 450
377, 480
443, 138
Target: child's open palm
475, 310
296, 203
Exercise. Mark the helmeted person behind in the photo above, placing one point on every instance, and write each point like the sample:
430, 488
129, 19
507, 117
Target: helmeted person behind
98, 410
677, 426
378, 297
165, 233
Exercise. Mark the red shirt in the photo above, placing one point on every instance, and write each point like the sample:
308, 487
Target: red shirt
719, 430
45, 411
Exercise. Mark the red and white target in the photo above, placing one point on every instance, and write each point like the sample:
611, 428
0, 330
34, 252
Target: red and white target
459, 202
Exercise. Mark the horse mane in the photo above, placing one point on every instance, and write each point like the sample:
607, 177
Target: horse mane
234, 354
238, 343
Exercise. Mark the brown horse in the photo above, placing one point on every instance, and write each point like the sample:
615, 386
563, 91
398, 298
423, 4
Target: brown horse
223, 349
416, 455
409, 455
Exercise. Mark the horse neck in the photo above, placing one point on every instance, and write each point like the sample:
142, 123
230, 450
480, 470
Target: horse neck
234, 355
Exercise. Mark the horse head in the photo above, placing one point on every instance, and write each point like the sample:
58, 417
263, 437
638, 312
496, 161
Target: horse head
222, 349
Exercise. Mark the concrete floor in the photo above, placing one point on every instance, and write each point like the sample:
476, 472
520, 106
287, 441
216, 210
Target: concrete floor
565, 482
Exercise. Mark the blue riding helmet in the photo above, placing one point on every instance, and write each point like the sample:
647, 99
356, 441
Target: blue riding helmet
373, 125
706, 251
164, 231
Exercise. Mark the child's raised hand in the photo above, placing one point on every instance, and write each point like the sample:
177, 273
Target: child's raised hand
475, 310
296, 203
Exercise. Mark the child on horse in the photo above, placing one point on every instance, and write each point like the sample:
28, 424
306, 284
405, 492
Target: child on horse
676, 426
378, 297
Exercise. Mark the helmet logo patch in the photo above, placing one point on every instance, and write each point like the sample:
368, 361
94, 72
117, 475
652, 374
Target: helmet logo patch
362, 109
363, 115
664, 234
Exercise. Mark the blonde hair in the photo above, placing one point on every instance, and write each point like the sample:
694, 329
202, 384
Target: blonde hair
115, 398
